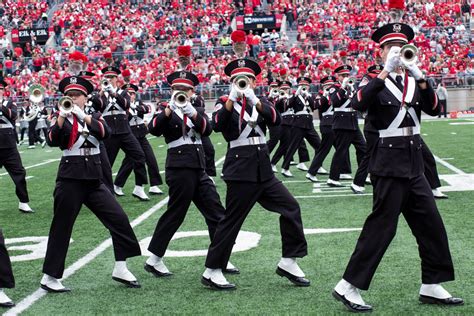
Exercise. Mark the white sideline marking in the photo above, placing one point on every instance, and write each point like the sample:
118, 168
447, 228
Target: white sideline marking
221, 160
330, 196
448, 165
114, 174
462, 123
20, 152
161, 146
457, 182
32, 298
336, 190
29, 177
36, 165
447, 158
454, 133
311, 231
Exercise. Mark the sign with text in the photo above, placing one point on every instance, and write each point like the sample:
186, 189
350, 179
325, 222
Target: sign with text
39, 35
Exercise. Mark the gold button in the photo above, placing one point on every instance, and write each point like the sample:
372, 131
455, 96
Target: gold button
411, 142
197, 149
390, 145
236, 156
179, 151
86, 159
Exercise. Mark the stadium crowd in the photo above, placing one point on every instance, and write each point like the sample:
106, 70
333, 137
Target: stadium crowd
142, 37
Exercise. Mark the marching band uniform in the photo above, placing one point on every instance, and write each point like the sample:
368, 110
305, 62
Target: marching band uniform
9, 155
346, 129
104, 158
431, 172
33, 111
185, 171
114, 109
303, 128
287, 119
209, 151
41, 125
137, 112
7, 280
396, 168
274, 131
249, 177
79, 183
23, 124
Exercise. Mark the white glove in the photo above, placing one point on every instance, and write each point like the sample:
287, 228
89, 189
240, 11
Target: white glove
78, 112
326, 93
345, 82
188, 110
171, 105
250, 95
415, 71
393, 59
233, 95
133, 105
64, 114
298, 91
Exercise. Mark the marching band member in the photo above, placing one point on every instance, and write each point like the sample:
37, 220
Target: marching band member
7, 280
249, 177
114, 103
79, 183
345, 125
137, 112
182, 125
303, 106
9, 155
32, 112
394, 101
275, 131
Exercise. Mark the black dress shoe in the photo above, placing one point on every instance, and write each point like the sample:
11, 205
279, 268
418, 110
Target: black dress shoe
231, 271
299, 281
131, 284
7, 304
158, 274
51, 290
353, 307
450, 301
215, 286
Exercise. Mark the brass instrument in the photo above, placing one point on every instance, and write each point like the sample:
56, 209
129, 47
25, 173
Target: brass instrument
241, 83
351, 81
106, 85
36, 92
32, 114
66, 104
180, 99
274, 92
408, 54
283, 94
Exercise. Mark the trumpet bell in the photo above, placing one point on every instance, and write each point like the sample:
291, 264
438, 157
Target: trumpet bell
36, 92
180, 99
408, 54
66, 105
242, 83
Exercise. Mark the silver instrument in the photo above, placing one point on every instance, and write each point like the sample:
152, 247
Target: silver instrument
66, 104
284, 94
36, 92
351, 82
106, 85
408, 54
180, 99
241, 83
274, 92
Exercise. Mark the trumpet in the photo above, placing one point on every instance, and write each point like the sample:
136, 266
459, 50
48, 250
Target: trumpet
408, 54
180, 99
106, 85
351, 82
283, 94
241, 83
274, 92
66, 105
36, 92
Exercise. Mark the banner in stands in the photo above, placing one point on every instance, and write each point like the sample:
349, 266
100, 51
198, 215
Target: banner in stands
25, 35
258, 22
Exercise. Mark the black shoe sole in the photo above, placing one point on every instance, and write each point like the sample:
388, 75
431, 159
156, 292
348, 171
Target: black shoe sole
431, 300
26, 212
156, 273
347, 304
50, 290
7, 305
152, 193
141, 199
130, 284
214, 286
231, 271
291, 278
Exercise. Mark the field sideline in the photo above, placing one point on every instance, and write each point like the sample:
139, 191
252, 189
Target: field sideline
260, 291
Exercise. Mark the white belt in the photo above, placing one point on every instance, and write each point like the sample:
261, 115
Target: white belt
114, 112
81, 152
303, 112
133, 123
344, 110
401, 131
183, 141
258, 140
6, 125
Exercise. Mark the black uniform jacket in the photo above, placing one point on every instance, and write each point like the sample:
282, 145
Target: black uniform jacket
281, 105
304, 121
118, 123
8, 114
323, 104
135, 118
342, 120
245, 163
171, 127
78, 167
394, 156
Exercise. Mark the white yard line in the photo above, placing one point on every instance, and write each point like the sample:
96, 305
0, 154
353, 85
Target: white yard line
35, 296
448, 165
330, 196
36, 165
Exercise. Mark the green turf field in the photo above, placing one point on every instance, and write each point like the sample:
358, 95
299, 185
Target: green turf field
394, 290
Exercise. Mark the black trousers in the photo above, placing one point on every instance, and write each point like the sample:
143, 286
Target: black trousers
240, 198
152, 166
298, 135
412, 198
22, 133
371, 140
11, 160
69, 196
186, 186
33, 136
431, 172
343, 140
285, 140
209, 155
444, 110
129, 144
7, 280
275, 135
106, 168
44, 131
